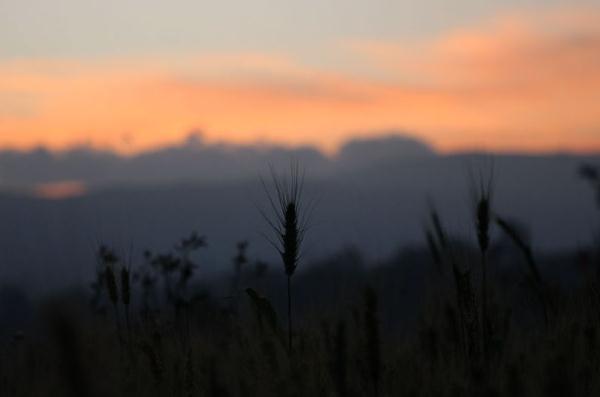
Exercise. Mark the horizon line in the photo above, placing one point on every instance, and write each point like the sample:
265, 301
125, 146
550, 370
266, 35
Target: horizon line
197, 138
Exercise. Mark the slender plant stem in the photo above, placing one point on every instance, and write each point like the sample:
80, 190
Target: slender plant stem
118, 324
484, 307
289, 290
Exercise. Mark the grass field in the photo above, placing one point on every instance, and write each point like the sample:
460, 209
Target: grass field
451, 318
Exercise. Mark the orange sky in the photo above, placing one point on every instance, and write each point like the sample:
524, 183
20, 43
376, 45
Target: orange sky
520, 81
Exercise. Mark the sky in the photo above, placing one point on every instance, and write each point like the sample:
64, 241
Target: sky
136, 75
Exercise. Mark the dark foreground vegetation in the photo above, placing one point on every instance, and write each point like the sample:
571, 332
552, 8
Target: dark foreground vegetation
452, 318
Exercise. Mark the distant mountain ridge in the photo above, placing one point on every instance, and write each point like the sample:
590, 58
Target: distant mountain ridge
192, 160
197, 161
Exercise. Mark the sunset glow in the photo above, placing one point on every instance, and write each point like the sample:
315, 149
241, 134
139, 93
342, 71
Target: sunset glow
527, 81
59, 190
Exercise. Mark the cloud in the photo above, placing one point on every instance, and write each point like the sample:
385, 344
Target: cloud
526, 81
532, 78
525, 48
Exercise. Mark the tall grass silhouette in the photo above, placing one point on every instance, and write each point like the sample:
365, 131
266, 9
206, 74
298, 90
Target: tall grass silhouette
289, 225
482, 196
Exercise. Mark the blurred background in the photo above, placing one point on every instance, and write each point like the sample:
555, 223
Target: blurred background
134, 123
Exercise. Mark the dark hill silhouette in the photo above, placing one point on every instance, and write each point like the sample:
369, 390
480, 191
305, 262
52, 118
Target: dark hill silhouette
368, 152
192, 160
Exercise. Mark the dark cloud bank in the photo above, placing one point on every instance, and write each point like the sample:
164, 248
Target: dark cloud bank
373, 195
